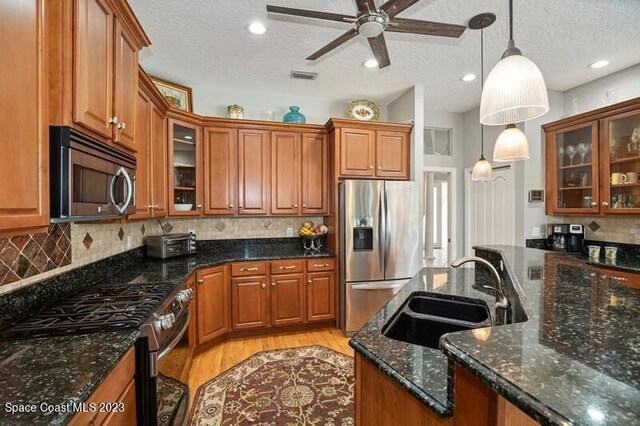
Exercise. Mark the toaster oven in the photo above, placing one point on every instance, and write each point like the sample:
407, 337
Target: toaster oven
170, 245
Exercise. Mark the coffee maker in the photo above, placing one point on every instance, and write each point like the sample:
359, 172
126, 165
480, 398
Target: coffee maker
567, 237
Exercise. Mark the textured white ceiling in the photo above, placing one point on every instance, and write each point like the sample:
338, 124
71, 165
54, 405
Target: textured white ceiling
205, 43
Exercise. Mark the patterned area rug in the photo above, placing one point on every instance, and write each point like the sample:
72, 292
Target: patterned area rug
170, 394
311, 385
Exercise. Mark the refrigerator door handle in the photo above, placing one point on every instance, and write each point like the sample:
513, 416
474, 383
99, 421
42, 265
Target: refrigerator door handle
387, 237
381, 233
377, 286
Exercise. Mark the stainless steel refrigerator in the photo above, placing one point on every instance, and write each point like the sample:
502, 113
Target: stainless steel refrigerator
379, 245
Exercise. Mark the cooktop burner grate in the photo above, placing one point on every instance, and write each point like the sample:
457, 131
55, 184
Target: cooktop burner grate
102, 308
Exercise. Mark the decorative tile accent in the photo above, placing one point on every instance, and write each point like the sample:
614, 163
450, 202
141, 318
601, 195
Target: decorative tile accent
143, 230
27, 255
167, 227
267, 224
219, 226
594, 226
87, 240
121, 234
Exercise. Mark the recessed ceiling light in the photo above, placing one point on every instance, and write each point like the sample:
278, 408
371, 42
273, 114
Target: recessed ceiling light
468, 77
257, 28
370, 63
599, 64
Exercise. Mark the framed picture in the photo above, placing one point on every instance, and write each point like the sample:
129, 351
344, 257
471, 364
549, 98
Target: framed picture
178, 96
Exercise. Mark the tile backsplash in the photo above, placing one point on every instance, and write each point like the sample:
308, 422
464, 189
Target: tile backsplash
27, 259
614, 229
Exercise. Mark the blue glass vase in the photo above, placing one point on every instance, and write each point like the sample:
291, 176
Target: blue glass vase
294, 116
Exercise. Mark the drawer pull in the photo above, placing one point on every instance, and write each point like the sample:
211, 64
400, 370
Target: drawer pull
310, 282
320, 265
288, 267
248, 269
200, 281
263, 285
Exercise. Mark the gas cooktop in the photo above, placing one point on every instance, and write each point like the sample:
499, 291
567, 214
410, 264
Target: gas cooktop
104, 307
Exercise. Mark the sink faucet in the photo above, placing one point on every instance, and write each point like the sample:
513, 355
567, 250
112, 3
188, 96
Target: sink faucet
502, 303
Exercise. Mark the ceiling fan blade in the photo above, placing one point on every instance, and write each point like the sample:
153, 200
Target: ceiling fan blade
379, 48
394, 7
335, 43
310, 14
366, 5
414, 26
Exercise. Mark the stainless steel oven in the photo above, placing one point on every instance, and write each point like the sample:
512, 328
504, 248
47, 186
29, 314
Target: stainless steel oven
89, 180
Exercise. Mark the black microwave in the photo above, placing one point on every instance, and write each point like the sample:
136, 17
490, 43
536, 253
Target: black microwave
89, 180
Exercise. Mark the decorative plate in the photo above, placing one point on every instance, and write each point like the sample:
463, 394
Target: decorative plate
364, 110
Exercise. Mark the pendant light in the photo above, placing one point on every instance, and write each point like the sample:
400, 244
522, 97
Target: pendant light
482, 170
511, 145
515, 89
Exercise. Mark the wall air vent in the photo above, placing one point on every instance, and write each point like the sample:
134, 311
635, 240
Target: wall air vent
304, 75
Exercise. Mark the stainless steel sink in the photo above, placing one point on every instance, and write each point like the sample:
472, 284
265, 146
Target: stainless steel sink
423, 319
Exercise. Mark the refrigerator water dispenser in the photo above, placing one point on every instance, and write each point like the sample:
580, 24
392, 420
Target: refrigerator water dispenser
362, 238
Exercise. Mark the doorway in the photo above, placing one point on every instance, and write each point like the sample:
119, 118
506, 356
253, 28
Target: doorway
490, 209
439, 216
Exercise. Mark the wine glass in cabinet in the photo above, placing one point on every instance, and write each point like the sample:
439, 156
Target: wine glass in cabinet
572, 167
621, 163
185, 170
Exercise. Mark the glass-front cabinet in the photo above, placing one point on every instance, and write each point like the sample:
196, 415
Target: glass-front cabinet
185, 174
621, 163
573, 162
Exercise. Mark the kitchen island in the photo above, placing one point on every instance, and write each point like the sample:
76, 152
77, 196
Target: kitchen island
571, 357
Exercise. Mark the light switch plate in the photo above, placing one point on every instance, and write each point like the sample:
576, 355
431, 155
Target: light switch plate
289, 232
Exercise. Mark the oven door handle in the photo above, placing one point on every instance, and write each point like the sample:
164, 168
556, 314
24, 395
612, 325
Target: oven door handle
175, 341
129, 191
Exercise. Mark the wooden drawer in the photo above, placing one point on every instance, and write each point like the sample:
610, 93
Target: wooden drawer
243, 269
116, 387
627, 278
288, 266
128, 416
321, 264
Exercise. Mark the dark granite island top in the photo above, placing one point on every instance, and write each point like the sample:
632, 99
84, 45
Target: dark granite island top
573, 359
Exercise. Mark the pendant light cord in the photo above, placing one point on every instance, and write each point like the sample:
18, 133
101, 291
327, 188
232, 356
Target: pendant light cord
510, 19
481, 88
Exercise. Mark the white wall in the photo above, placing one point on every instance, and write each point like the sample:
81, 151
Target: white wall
625, 85
213, 101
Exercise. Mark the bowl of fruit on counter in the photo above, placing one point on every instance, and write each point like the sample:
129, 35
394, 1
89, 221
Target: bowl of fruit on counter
311, 235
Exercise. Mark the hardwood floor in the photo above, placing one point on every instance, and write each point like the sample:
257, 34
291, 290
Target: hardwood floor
211, 362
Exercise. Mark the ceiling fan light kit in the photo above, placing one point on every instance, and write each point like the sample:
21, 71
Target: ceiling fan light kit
371, 22
511, 145
515, 90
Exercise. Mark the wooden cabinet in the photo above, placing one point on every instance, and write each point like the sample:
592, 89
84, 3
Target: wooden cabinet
213, 302
315, 174
320, 296
287, 299
118, 387
151, 155
125, 87
371, 150
630, 279
254, 154
24, 192
250, 302
357, 152
93, 65
593, 161
220, 171
285, 172
185, 168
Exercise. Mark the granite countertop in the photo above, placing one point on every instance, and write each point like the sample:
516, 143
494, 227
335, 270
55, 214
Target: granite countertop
628, 265
66, 369
574, 357
53, 372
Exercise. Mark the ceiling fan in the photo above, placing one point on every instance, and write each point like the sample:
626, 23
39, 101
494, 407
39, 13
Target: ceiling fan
371, 22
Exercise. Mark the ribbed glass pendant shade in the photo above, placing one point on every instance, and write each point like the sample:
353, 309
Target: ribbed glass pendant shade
511, 145
482, 170
514, 92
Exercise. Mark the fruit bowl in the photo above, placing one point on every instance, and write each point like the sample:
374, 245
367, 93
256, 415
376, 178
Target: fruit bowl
183, 207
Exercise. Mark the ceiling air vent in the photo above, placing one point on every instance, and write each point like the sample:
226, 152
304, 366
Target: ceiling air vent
304, 75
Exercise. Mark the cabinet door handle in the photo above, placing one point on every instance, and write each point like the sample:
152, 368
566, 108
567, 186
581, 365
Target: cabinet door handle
230, 206
304, 206
199, 206
248, 269
371, 167
310, 282
273, 284
263, 285
200, 281
122, 125
594, 203
288, 267
604, 203
379, 167
240, 206
295, 206
113, 120
320, 265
